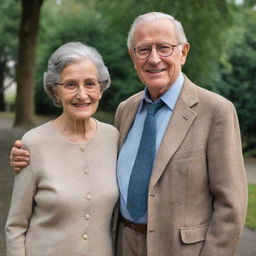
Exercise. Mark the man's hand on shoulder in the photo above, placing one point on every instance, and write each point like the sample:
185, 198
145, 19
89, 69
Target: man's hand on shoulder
19, 158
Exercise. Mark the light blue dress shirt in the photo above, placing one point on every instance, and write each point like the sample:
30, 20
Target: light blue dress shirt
130, 147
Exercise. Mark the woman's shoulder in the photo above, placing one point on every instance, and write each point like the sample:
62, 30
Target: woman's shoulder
107, 131
105, 127
37, 134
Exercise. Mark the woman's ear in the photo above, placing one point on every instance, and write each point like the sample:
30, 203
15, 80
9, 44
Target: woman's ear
55, 95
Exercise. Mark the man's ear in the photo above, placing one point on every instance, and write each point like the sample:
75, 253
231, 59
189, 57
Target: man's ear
185, 50
132, 55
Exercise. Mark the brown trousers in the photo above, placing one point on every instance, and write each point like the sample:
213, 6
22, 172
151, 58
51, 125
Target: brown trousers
130, 242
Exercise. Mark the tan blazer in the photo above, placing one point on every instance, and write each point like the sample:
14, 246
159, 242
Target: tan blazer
198, 190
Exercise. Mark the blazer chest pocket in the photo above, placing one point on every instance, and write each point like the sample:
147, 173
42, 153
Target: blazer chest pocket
193, 234
193, 162
191, 154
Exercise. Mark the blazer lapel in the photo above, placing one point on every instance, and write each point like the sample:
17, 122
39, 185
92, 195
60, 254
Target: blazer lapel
180, 122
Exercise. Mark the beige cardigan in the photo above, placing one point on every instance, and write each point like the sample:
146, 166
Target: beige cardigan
62, 202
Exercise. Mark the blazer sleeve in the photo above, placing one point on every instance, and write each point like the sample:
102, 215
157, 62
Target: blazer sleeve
20, 212
227, 183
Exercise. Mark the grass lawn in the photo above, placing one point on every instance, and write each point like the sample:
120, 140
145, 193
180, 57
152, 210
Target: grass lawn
6, 113
251, 210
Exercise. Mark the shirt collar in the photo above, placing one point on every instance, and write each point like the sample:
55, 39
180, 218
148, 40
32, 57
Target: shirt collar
169, 98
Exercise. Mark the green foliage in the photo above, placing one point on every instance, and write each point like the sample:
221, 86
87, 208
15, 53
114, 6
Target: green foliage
80, 22
251, 210
238, 80
9, 28
221, 34
105, 24
205, 24
70, 21
249, 3
8, 42
9, 32
105, 116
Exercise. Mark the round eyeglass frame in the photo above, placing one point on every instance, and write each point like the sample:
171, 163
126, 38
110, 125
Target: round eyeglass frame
172, 46
78, 88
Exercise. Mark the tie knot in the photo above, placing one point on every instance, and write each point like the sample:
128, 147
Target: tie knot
153, 108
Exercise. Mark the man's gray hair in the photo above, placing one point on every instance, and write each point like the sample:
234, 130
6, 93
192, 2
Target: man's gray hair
70, 53
150, 16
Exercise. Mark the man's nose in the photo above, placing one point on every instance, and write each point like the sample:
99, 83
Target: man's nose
154, 57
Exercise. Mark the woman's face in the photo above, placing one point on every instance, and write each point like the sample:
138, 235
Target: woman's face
79, 91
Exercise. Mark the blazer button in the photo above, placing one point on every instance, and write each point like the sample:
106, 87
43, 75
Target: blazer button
87, 216
85, 237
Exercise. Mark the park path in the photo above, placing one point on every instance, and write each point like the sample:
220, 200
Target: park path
247, 245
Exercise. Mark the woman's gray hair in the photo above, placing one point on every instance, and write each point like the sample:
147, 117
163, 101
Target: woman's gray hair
67, 54
150, 16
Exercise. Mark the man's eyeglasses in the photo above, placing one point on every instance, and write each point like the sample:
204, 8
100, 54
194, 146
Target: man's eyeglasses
72, 86
163, 50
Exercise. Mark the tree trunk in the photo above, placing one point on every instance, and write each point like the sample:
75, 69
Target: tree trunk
26, 63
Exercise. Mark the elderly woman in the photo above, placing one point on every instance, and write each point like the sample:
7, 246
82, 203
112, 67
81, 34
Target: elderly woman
62, 202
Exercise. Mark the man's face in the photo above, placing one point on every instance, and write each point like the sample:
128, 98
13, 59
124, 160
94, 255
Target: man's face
156, 72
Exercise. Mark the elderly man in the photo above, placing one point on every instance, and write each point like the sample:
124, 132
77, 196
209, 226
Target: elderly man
195, 197
180, 168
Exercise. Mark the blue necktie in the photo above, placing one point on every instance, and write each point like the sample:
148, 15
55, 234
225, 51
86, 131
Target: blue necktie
142, 168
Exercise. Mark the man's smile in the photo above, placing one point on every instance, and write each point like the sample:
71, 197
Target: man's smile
155, 70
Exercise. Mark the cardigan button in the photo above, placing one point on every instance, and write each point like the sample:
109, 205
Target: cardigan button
88, 197
82, 148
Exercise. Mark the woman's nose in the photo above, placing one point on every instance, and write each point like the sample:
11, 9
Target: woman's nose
81, 93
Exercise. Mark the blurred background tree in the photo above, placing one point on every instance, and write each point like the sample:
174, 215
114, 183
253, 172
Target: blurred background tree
8, 42
221, 33
29, 23
239, 80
